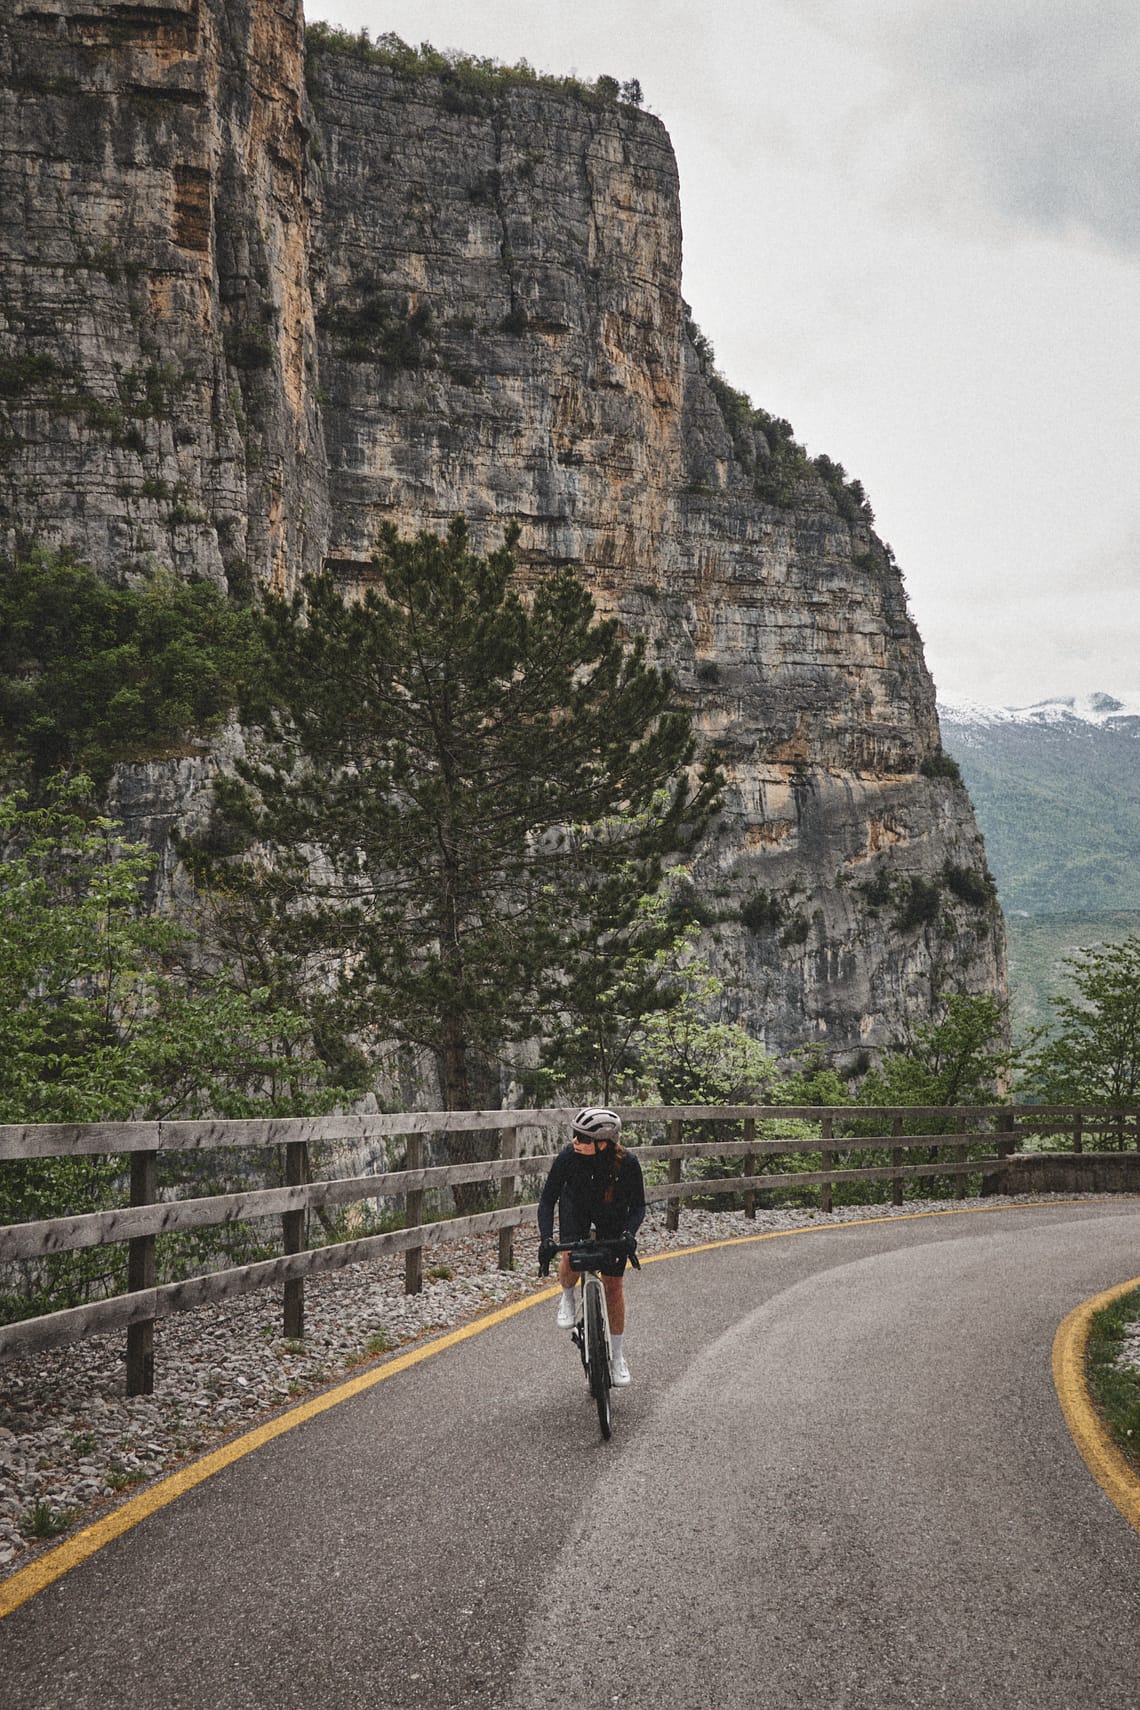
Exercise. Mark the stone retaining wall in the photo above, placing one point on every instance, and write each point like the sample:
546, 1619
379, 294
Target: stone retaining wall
1066, 1172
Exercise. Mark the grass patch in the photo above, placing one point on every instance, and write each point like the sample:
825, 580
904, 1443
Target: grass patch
1116, 1388
46, 1521
125, 1478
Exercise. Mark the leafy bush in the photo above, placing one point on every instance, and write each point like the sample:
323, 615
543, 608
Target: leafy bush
101, 1021
918, 904
382, 329
93, 671
248, 347
941, 765
970, 886
877, 892
762, 912
1094, 1056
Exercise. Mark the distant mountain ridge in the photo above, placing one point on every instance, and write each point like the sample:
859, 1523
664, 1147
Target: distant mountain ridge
1109, 712
1056, 789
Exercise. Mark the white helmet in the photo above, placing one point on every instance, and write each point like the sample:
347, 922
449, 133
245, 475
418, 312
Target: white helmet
593, 1124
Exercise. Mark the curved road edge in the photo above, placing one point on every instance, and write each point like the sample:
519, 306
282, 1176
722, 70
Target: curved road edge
1099, 1453
1088, 1431
26, 1582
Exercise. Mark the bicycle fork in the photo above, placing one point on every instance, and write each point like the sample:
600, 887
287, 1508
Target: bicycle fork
580, 1335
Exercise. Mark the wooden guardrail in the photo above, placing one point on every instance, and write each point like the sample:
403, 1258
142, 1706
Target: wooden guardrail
959, 1130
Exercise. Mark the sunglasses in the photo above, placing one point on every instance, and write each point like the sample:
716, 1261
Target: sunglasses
587, 1140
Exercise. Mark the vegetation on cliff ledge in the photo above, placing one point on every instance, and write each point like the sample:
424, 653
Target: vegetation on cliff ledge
467, 78
766, 447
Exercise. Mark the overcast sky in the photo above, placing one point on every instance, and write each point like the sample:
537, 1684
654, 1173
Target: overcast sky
912, 227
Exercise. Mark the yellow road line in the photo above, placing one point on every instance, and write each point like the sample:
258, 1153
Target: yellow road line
54, 1563
1088, 1431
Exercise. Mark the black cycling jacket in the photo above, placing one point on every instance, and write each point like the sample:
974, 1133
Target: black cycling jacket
577, 1186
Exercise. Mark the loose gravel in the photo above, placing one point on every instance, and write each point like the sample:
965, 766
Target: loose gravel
73, 1443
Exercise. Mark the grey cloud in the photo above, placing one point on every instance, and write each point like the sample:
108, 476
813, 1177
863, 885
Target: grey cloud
1027, 107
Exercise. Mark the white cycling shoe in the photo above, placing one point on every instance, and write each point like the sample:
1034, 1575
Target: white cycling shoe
566, 1315
620, 1377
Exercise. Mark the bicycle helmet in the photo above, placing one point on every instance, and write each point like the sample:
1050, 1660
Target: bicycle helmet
591, 1124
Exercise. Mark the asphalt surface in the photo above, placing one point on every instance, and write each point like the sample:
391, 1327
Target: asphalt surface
841, 1479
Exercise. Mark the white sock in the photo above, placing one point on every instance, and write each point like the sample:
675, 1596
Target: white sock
615, 1346
569, 1296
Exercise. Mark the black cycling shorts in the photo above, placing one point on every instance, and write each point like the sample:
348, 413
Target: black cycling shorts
572, 1226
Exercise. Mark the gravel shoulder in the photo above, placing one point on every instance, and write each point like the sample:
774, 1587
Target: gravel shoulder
72, 1443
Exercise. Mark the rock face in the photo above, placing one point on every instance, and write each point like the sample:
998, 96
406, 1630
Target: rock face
244, 321
157, 363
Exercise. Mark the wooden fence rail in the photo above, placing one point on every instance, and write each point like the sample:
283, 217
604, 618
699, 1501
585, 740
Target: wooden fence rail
960, 1131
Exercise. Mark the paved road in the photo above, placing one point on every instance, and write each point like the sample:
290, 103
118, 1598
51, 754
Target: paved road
842, 1479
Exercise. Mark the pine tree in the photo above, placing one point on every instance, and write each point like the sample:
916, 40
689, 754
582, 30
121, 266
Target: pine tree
461, 791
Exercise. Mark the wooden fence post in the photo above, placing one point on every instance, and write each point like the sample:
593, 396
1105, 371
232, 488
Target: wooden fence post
825, 1190
960, 1182
749, 1166
897, 1162
141, 1274
293, 1241
673, 1206
508, 1149
1006, 1125
413, 1214
1078, 1137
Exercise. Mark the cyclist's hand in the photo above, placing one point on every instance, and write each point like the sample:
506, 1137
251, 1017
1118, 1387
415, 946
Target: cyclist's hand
629, 1245
546, 1253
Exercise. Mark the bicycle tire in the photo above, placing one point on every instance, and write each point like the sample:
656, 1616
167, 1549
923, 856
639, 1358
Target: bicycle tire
598, 1368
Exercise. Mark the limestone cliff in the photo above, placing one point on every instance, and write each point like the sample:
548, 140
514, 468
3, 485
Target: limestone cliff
243, 321
157, 363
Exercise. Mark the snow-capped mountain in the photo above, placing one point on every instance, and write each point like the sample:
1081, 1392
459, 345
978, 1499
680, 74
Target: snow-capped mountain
1056, 788
1105, 711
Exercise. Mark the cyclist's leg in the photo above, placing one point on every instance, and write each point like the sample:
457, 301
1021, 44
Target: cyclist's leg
615, 1303
569, 1229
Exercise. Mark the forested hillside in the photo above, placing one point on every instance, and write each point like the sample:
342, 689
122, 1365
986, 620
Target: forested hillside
1056, 788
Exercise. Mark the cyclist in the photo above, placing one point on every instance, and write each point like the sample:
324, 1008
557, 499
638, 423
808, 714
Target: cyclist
594, 1182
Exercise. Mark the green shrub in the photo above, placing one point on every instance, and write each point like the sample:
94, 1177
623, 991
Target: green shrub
941, 765
762, 912
970, 886
93, 670
382, 328
248, 347
468, 81
918, 904
27, 373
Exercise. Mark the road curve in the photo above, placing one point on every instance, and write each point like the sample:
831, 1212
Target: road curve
842, 1478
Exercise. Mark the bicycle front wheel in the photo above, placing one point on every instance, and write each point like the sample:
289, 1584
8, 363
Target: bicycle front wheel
598, 1366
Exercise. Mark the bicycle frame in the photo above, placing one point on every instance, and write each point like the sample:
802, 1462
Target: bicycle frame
591, 1334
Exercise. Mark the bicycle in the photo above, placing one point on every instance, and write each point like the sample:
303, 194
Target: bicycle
591, 1334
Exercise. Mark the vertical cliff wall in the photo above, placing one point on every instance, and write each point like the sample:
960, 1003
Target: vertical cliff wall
157, 365
242, 323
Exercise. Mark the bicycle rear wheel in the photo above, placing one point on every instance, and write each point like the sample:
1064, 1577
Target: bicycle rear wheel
598, 1366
